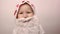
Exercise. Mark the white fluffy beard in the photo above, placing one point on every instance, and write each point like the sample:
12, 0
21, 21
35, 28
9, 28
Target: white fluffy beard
28, 25
30, 21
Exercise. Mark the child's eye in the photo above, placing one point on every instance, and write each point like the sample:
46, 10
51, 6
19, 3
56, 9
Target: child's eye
28, 12
21, 13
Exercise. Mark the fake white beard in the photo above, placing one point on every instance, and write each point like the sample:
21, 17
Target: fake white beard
27, 21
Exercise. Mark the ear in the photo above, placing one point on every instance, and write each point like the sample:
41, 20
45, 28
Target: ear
33, 6
15, 12
23, 1
17, 5
28, 2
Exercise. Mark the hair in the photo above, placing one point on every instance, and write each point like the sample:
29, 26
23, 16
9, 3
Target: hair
21, 6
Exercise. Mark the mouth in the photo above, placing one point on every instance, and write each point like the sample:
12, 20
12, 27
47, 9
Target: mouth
24, 20
27, 21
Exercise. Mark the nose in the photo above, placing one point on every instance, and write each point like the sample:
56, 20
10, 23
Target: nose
25, 15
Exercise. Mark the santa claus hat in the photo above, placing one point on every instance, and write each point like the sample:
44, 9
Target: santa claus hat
22, 2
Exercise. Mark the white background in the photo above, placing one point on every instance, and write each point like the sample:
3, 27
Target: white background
48, 13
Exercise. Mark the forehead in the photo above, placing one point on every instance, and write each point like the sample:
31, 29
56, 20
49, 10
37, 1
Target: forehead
25, 7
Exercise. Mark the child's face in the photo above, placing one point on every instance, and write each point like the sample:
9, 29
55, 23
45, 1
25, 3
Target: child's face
25, 11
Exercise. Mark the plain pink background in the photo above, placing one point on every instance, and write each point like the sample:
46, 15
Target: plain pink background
47, 11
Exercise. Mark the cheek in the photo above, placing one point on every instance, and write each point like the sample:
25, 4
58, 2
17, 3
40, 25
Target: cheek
20, 16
